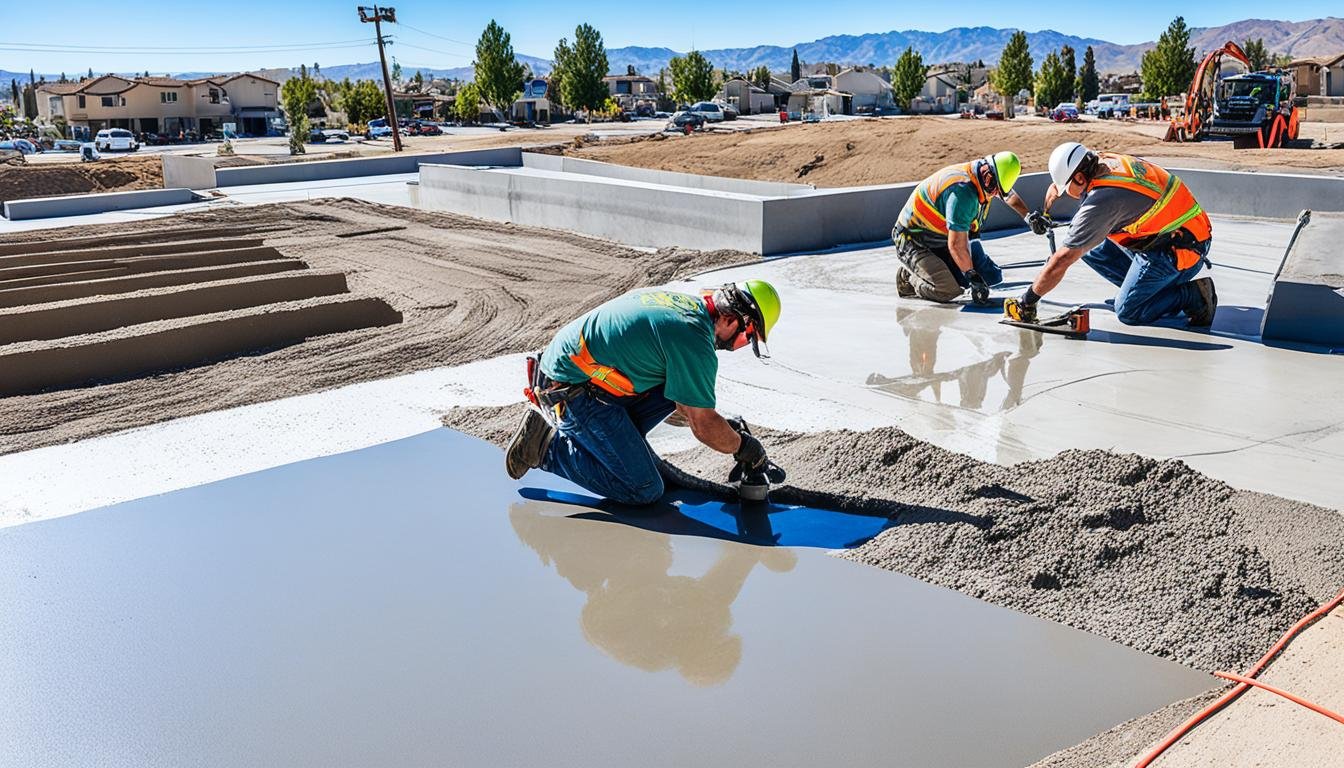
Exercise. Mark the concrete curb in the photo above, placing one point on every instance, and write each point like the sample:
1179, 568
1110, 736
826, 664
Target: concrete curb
79, 205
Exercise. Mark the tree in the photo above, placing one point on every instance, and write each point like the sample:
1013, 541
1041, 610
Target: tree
1014, 74
419, 80
90, 73
499, 76
396, 71
1255, 51
1053, 85
907, 78
1066, 57
1170, 66
295, 96
562, 57
582, 86
467, 107
1089, 85
630, 70
14, 92
795, 68
760, 77
362, 101
692, 78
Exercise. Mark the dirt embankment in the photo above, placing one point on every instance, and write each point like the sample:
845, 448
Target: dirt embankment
467, 289
861, 152
120, 174
1149, 553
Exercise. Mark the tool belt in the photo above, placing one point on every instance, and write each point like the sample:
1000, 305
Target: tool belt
1180, 242
548, 394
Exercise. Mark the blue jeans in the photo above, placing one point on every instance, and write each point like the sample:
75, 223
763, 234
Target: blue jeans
1151, 287
984, 265
599, 444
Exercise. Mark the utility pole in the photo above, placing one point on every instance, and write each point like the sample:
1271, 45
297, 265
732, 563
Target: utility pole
378, 15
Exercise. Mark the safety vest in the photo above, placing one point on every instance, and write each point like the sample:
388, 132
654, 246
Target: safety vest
1173, 208
605, 377
921, 211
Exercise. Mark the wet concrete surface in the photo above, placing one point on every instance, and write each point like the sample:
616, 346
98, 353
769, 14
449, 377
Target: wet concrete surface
406, 604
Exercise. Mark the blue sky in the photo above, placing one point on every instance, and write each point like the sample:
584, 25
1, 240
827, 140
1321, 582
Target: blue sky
182, 36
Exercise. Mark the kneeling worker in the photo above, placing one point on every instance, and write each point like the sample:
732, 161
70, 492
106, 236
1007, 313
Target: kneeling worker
1139, 227
613, 374
937, 235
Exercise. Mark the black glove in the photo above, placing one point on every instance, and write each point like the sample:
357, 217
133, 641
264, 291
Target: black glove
751, 454
1039, 222
979, 288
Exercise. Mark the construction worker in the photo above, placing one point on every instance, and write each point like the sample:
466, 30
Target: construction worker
937, 235
1139, 227
616, 372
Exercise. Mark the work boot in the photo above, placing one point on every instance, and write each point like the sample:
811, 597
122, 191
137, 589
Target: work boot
1202, 317
903, 287
529, 444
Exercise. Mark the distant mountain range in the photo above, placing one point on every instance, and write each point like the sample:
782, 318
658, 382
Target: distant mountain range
1317, 37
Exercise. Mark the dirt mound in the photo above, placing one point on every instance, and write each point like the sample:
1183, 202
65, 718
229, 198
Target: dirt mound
1148, 553
860, 152
108, 175
466, 289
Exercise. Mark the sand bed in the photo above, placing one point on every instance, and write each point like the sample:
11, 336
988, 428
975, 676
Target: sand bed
120, 174
466, 289
861, 152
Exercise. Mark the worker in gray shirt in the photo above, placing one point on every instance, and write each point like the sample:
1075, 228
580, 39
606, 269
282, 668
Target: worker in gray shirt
1138, 226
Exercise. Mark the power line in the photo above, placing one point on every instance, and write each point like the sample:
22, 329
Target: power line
422, 48
404, 25
55, 48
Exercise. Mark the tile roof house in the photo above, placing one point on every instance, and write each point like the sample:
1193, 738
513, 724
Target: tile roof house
163, 105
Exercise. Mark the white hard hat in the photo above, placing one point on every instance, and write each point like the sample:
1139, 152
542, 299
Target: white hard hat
1066, 159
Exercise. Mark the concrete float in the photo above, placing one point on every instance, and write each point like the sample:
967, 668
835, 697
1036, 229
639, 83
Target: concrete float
407, 604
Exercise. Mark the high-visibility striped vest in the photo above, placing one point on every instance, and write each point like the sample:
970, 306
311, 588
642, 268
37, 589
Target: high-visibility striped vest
921, 211
1173, 208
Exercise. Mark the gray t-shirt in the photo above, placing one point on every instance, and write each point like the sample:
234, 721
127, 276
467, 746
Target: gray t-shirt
1104, 210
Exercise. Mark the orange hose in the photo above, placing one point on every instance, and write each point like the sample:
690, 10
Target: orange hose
1280, 692
1240, 688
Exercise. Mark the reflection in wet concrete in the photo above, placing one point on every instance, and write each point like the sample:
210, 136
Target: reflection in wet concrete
637, 612
923, 329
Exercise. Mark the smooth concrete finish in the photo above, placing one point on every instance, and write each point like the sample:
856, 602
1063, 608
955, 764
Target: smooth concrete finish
1306, 303
632, 212
188, 172
577, 165
404, 605
78, 205
848, 353
358, 167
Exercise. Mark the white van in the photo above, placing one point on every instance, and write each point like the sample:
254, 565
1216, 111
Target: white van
1107, 104
115, 139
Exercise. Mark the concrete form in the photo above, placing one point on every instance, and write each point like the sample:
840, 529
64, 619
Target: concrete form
77, 205
351, 611
1306, 303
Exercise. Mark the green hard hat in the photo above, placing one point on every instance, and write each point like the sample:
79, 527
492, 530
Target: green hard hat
764, 301
1007, 167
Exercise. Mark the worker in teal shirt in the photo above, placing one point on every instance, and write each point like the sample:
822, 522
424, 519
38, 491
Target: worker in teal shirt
615, 373
937, 234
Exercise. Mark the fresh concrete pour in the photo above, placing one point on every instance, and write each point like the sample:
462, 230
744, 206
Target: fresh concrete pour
270, 619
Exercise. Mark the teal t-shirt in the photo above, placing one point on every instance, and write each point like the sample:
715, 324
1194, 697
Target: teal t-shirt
653, 337
961, 207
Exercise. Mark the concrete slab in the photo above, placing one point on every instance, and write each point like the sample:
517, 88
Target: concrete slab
1306, 303
404, 605
80, 205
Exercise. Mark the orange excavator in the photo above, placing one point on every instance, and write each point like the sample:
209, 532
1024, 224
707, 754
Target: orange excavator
1254, 109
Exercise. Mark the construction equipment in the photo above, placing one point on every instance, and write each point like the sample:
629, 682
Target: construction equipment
753, 483
1074, 323
1254, 109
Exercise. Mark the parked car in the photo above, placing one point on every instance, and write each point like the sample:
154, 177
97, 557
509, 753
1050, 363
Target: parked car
65, 145
154, 139
337, 134
683, 121
316, 136
423, 128
27, 147
729, 112
644, 110
115, 139
710, 111
1065, 112
17, 145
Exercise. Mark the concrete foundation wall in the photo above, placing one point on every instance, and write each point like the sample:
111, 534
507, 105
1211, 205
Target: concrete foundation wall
628, 213
565, 164
1266, 195
1306, 303
382, 165
78, 205
180, 172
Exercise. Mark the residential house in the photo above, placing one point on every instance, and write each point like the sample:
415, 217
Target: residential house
821, 102
1320, 75
534, 106
749, 99
162, 105
780, 90
938, 96
870, 93
630, 91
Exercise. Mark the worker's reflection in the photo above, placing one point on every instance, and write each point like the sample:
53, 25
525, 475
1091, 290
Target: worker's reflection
637, 612
923, 327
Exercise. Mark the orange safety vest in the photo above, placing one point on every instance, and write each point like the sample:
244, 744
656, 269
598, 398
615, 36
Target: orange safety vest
921, 211
605, 377
1173, 208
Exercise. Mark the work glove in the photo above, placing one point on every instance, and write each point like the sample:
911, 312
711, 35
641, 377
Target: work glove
1039, 222
1019, 311
979, 289
751, 454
